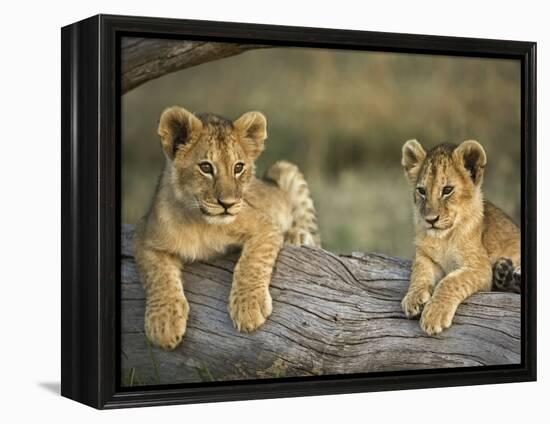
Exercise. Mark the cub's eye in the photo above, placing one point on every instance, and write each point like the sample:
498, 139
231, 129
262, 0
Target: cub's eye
239, 167
447, 190
421, 191
206, 168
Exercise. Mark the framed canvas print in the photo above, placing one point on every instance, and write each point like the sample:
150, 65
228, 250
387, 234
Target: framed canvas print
255, 211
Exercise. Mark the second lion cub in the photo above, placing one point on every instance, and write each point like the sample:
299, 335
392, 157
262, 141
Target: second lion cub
463, 244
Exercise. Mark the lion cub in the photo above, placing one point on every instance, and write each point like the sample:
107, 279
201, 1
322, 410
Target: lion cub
462, 242
207, 200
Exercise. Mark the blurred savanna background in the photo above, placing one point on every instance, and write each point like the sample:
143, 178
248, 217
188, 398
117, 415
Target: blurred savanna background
342, 116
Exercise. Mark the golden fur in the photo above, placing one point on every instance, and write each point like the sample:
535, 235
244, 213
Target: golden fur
208, 200
460, 238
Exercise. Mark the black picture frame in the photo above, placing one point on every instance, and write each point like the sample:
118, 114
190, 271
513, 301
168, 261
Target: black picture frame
91, 209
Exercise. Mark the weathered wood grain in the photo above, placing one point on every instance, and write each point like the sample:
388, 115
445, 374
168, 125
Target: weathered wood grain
144, 59
331, 315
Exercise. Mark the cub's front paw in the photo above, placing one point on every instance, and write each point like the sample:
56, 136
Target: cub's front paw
249, 309
413, 302
436, 317
165, 325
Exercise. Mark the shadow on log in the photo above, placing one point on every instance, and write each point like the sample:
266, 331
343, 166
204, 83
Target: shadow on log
144, 59
331, 315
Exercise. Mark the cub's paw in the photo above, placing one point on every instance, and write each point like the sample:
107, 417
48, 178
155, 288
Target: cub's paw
516, 280
436, 317
506, 277
249, 309
165, 325
413, 302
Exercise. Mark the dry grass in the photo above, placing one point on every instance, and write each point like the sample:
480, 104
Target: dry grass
342, 117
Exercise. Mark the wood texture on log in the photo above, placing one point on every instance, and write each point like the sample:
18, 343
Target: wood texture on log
331, 315
144, 59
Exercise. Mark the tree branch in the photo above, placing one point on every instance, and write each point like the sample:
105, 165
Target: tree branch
331, 315
144, 59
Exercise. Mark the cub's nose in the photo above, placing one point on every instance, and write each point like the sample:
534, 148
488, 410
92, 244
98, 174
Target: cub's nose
227, 203
432, 219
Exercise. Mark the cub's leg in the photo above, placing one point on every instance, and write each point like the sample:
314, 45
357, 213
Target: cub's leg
451, 291
424, 274
506, 277
166, 307
249, 300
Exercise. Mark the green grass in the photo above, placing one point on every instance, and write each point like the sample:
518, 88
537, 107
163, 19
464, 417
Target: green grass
131, 379
205, 374
154, 361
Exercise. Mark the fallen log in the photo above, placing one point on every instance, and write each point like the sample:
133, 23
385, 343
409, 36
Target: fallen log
331, 315
144, 59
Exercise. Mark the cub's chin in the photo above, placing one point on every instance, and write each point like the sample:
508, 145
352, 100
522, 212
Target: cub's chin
437, 232
220, 219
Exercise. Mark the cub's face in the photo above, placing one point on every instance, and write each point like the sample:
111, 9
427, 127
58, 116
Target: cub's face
447, 183
211, 160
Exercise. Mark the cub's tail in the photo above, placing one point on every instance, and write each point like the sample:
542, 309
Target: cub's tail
304, 230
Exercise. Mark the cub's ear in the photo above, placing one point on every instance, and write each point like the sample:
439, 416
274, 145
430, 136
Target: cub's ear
252, 127
472, 157
176, 125
412, 158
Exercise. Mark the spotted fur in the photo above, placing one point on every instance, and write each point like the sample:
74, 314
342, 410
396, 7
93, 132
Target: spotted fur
304, 230
506, 276
207, 201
